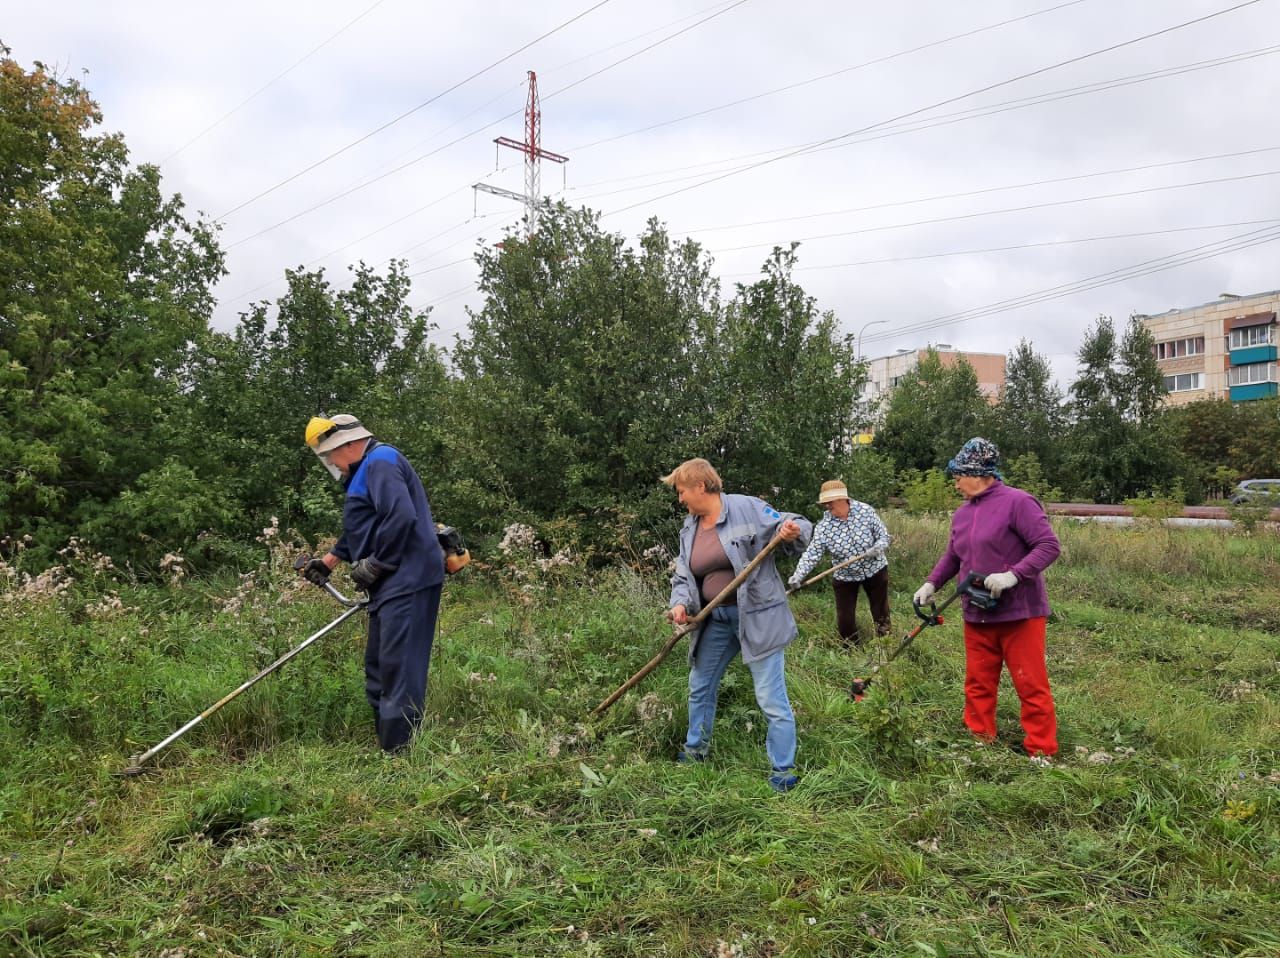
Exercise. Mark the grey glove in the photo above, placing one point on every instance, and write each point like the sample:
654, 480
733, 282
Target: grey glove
316, 572
924, 594
794, 582
366, 573
998, 582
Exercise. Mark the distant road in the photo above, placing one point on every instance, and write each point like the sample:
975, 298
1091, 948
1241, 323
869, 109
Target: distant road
1191, 515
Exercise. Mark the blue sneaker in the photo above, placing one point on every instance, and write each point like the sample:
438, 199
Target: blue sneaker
783, 781
686, 757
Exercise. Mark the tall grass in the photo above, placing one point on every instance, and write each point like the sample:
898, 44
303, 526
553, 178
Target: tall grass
517, 826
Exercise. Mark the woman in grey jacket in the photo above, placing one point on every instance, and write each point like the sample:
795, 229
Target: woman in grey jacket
721, 536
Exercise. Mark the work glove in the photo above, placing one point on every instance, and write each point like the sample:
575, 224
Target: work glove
879, 549
924, 594
794, 582
366, 573
998, 582
316, 572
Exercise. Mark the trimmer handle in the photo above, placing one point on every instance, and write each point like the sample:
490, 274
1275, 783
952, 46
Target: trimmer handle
928, 614
300, 563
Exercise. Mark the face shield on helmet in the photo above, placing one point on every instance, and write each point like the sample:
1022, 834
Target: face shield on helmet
327, 433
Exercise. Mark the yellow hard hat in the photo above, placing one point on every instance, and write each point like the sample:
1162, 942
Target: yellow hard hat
327, 433
316, 428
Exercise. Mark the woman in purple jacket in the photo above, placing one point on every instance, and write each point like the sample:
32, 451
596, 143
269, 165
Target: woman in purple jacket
1002, 534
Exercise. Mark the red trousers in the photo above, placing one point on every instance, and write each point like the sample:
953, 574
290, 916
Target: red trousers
1020, 645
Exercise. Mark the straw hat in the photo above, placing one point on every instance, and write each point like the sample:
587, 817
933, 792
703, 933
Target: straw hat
832, 490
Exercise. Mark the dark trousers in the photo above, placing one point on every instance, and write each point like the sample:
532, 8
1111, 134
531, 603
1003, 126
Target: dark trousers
877, 589
396, 660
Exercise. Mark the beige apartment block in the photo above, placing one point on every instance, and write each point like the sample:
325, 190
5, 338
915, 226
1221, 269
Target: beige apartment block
885, 372
1220, 350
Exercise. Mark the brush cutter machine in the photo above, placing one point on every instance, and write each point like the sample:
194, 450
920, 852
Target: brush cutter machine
138, 762
971, 585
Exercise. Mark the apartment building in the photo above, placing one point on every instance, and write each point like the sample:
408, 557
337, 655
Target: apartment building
885, 372
1220, 350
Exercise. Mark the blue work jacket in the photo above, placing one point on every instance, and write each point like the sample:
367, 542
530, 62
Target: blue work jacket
746, 525
386, 517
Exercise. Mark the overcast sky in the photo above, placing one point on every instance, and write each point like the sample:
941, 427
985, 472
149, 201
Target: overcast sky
165, 72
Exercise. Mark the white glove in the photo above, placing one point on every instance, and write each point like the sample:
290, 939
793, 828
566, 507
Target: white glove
924, 594
998, 582
794, 582
879, 549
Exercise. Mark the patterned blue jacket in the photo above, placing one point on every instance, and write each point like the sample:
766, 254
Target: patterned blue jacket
861, 533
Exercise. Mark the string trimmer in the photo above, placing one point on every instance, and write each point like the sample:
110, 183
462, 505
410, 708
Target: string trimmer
970, 585
138, 762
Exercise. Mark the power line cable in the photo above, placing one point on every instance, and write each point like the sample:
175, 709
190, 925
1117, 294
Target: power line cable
392, 161
953, 99
1195, 254
639, 36
410, 112
919, 125
1016, 247
1011, 209
404, 166
817, 79
275, 79
632, 56
986, 190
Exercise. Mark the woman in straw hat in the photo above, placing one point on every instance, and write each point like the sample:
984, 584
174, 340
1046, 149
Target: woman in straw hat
849, 529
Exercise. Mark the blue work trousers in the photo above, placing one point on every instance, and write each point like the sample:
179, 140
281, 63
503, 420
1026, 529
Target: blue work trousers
396, 660
716, 649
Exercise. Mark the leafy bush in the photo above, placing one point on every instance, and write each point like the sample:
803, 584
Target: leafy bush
928, 491
1025, 473
1159, 504
1250, 512
869, 476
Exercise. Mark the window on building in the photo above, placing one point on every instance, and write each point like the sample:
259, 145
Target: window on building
1183, 382
1252, 373
1247, 336
1177, 348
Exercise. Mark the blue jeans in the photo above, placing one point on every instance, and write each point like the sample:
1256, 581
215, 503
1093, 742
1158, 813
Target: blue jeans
716, 649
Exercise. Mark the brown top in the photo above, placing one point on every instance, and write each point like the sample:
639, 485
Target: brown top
710, 566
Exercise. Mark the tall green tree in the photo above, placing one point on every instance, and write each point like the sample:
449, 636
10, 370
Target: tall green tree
785, 385
1030, 416
1115, 448
932, 411
582, 368
104, 287
317, 349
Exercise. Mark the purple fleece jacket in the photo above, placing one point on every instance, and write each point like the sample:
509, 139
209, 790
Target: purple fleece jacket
1001, 529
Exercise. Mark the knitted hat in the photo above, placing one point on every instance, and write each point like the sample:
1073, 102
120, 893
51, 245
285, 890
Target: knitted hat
831, 490
977, 457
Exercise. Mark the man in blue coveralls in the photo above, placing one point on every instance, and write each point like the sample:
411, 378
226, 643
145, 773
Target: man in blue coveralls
389, 538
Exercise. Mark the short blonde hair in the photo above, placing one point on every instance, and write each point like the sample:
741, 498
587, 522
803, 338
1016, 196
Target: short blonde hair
694, 471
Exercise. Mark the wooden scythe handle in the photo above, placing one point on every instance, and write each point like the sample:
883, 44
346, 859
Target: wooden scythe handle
822, 575
688, 627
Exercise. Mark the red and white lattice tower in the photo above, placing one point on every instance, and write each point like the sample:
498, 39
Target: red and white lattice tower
534, 154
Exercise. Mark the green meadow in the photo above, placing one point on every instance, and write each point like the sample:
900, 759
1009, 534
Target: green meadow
517, 825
